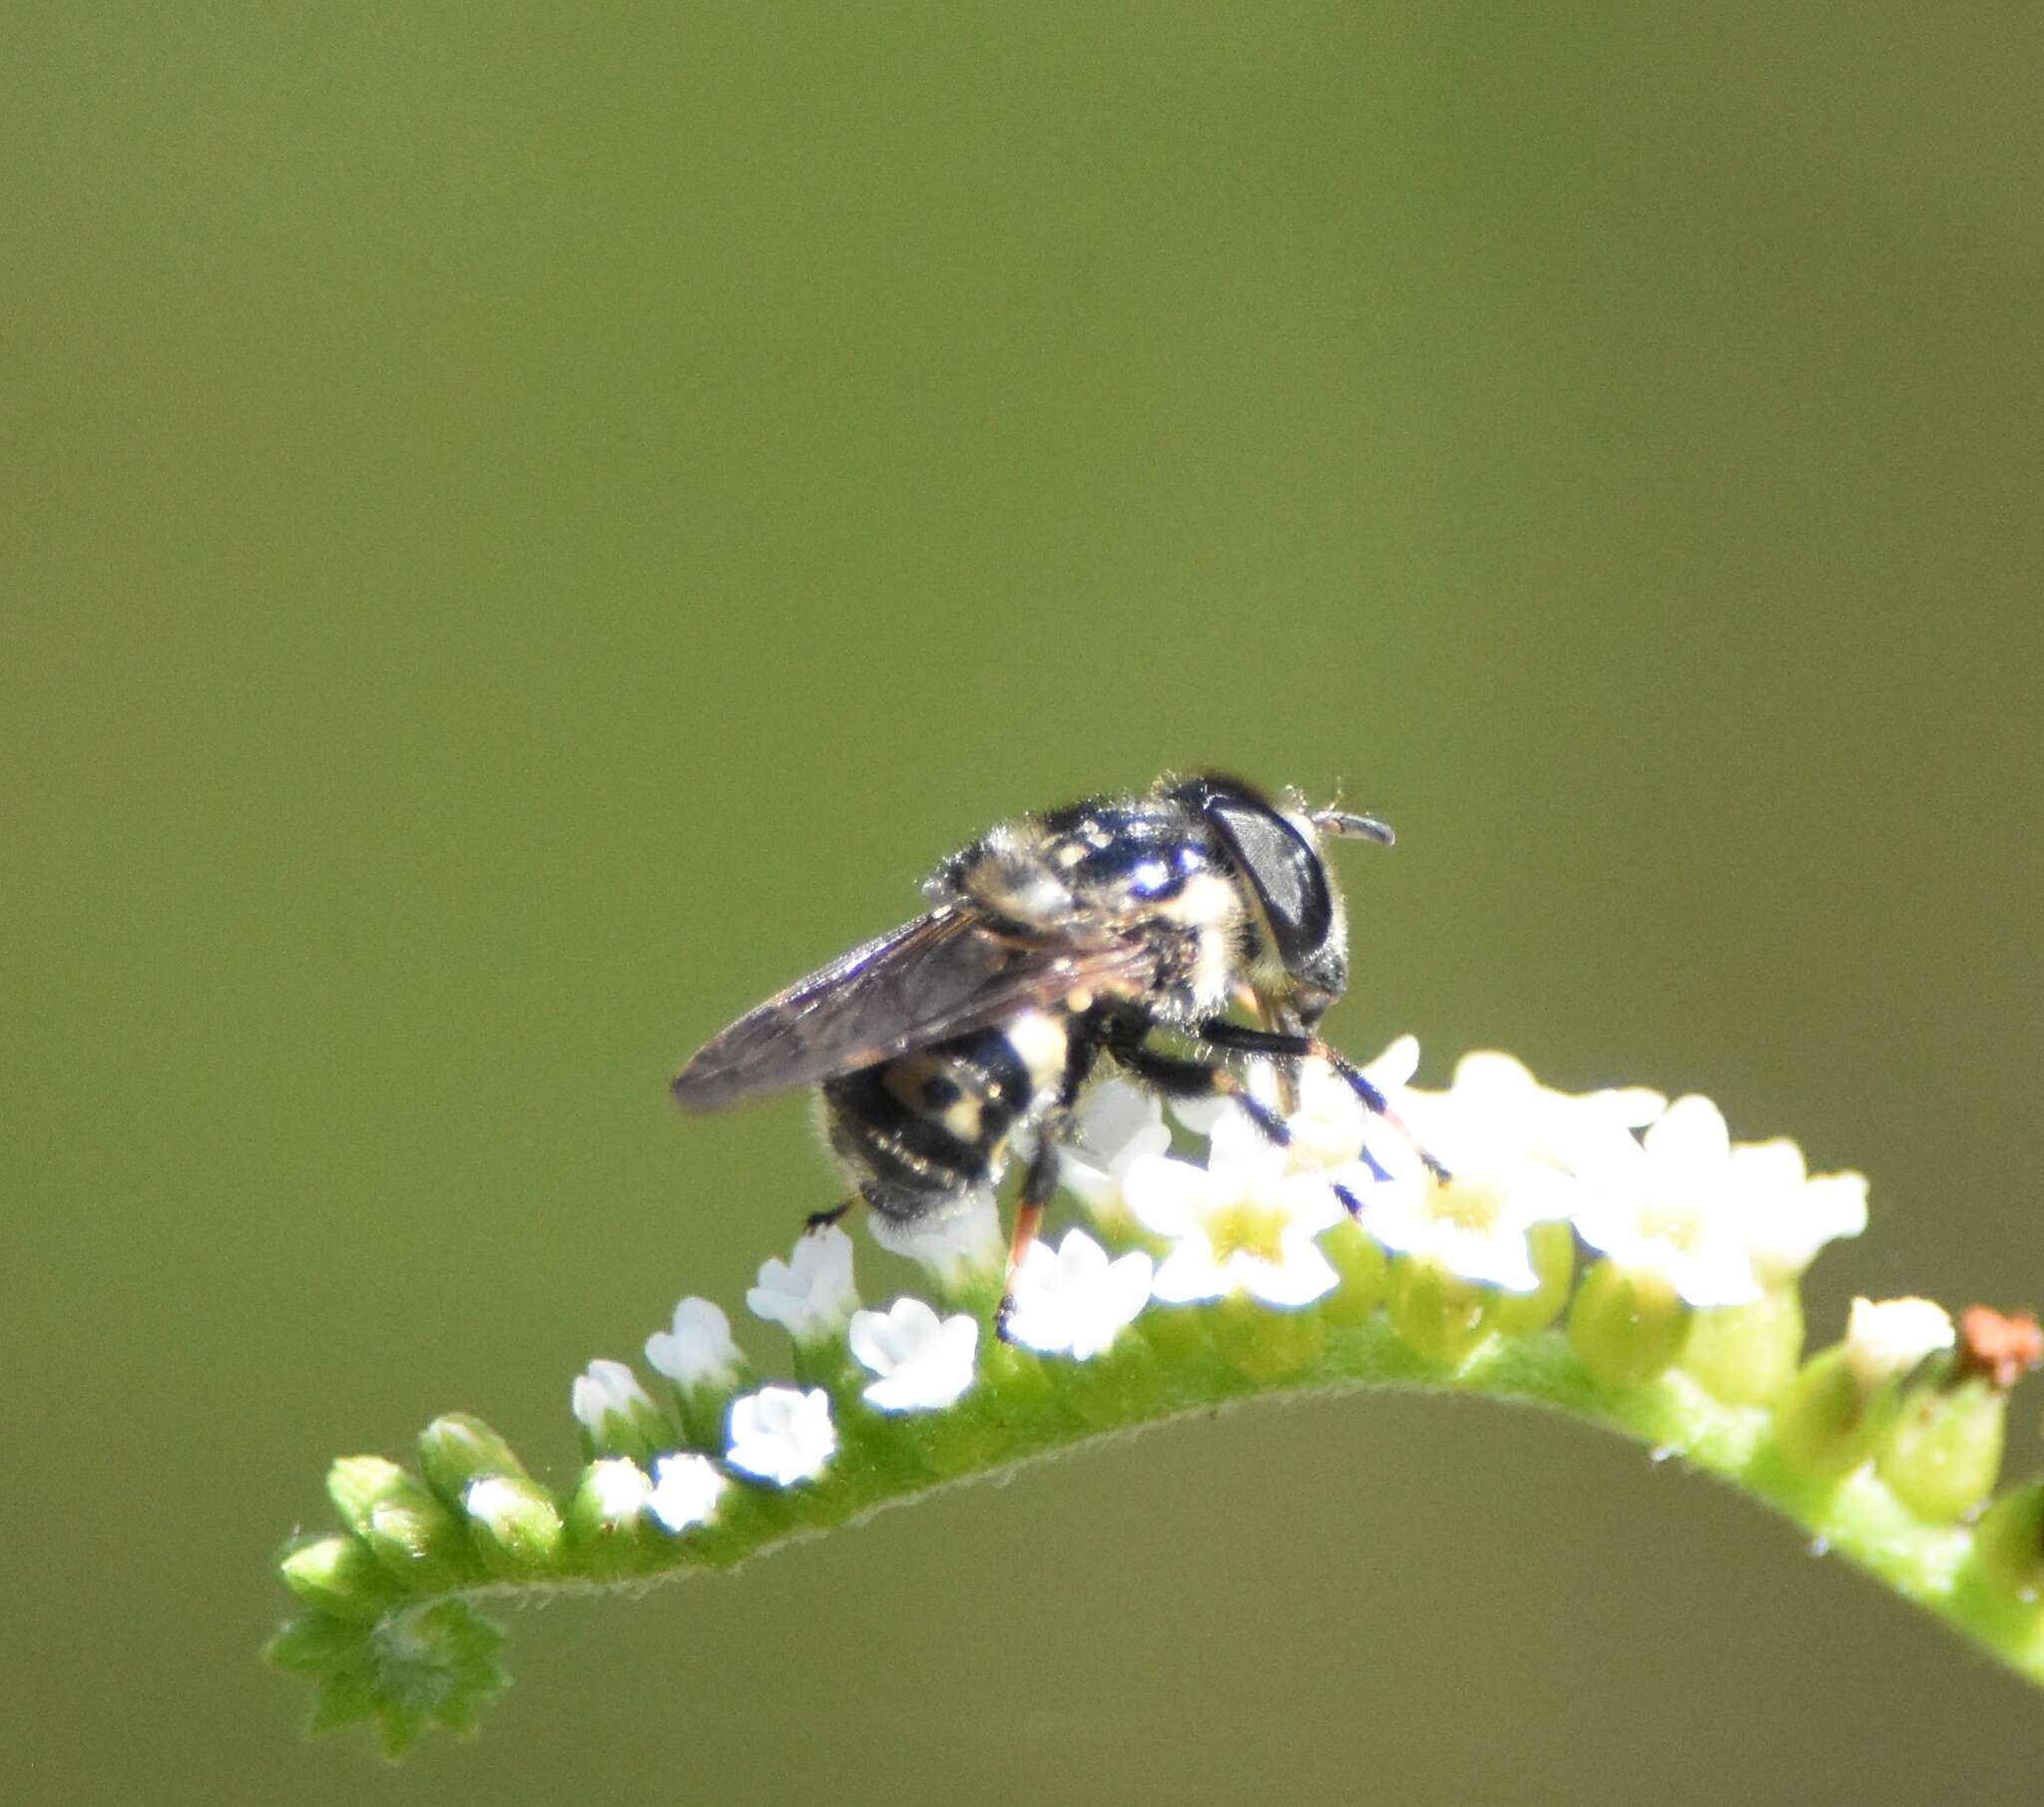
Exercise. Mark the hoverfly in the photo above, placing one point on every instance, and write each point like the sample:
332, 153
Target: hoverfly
1051, 942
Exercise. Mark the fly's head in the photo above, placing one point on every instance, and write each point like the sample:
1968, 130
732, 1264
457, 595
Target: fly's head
1301, 927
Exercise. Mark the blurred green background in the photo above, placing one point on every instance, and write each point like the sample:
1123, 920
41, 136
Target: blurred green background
527, 529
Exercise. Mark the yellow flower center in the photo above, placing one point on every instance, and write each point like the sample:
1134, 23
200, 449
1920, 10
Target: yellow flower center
1675, 1221
1249, 1228
1466, 1204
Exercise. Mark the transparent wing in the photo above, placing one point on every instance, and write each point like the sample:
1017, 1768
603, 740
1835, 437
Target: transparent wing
939, 976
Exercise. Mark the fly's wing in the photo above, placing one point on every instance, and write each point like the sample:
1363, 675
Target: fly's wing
939, 976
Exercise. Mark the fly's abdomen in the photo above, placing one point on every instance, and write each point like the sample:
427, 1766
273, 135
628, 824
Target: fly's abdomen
922, 1130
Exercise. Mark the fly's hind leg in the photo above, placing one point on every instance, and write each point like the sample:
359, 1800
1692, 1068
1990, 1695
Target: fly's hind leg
1038, 1183
816, 1221
1041, 1178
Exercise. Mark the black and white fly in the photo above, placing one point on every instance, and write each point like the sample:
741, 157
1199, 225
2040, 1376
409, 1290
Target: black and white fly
1053, 941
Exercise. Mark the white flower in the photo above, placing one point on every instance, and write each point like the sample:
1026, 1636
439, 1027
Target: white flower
1114, 1125
955, 1246
619, 1488
1564, 1129
1075, 1301
609, 1394
684, 1490
782, 1433
1238, 1224
1669, 1210
1472, 1225
1330, 1123
1789, 1215
1887, 1339
925, 1362
698, 1351
811, 1294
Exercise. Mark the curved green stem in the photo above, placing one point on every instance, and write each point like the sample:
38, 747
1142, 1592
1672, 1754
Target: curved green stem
389, 1634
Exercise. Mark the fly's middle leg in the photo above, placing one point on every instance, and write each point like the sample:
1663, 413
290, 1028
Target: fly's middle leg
1175, 1077
1289, 1046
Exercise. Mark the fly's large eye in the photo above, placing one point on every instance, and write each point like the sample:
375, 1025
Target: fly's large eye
1276, 858
1286, 873
1279, 863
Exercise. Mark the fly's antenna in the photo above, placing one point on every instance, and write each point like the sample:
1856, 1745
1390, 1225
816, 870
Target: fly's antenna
1348, 826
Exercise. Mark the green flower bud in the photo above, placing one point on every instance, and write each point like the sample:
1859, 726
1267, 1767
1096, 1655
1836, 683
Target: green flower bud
515, 1523
1943, 1455
1175, 1334
1551, 1246
457, 1449
1838, 1409
339, 1576
1438, 1313
1365, 1273
409, 1531
1264, 1344
359, 1483
1626, 1327
607, 1528
2009, 1539
1746, 1355
1827, 1423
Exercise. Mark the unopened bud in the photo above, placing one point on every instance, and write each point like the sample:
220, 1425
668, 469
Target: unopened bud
458, 1448
1551, 1247
1440, 1315
416, 1538
1746, 1355
339, 1576
515, 1522
1626, 1327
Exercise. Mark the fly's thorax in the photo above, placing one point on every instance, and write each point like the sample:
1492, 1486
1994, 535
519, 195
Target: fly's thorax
1009, 876
1155, 868
1212, 921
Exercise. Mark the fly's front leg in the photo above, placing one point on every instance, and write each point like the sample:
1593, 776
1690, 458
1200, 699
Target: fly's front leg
1276, 1045
1283, 1021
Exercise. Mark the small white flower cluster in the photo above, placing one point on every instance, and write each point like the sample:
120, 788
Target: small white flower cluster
1658, 1187
781, 1434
